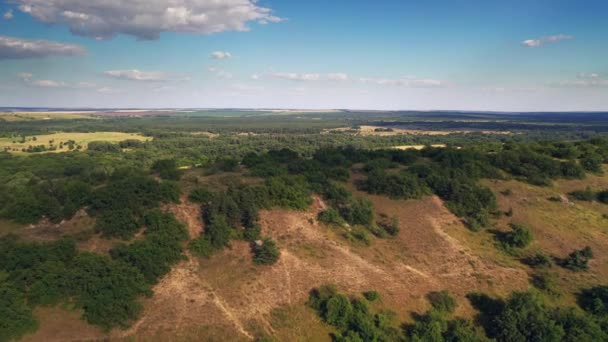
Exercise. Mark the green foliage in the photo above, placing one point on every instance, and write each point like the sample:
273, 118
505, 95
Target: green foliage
524, 318
200, 195
519, 237
390, 226
119, 223
154, 255
583, 195
545, 281
442, 301
103, 146
352, 317
595, 300
166, 169
266, 253
538, 260
398, 186
331, 216
107, 290
577, 260
371, 296
592, 162
201, 246
17, 318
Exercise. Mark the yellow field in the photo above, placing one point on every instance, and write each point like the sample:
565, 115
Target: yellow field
31, 116
82, 139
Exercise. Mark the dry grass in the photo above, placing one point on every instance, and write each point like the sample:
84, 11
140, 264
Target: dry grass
32, 116
82, 139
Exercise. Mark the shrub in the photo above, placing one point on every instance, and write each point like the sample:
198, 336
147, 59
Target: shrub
594, 300
201, 246
200, 195
371, 295
166, 169
545, 281
602, 196
267, 253
442, 301
331, 216
538, 260
519, 237
583, 195
17, 318
119, 223
577, 260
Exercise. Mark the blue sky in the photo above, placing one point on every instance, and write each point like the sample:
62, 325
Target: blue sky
512, 55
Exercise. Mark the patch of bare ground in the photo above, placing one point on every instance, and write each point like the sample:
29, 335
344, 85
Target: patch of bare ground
227, 297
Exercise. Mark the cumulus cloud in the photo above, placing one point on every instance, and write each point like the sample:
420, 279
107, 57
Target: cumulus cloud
137, 75
8, 15
220, 55
16, 48
146, 19
545, 40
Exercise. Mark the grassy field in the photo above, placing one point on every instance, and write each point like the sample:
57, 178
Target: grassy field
15, 145
31, 116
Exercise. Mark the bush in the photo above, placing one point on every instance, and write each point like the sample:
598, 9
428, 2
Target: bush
17, 318
331, 216
119, 223
166, 169
442, 301
390, 225
201, 246
583, 195
577, 260
519, 237
372, 296
267, 253
538, 260
200, 195
545, 281
594, 300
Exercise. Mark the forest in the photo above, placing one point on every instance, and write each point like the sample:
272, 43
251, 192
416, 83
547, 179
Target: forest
265, 165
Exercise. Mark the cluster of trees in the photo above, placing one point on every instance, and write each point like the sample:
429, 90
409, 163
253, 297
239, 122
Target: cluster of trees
521, 317
107, 288
120, 205
234, 214
352, 317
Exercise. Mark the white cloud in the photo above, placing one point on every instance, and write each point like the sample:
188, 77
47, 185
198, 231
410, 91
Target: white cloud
546, 40
295, 76
220, 55
585, 80
338, 77
146, 19
8, 15
16, 48
137, 75
28, 79
409, 82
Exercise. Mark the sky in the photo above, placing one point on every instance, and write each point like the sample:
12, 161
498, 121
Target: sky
508, 55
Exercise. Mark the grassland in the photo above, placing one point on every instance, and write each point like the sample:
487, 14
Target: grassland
15, 145
33, 116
